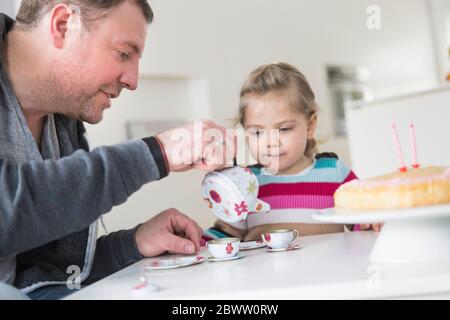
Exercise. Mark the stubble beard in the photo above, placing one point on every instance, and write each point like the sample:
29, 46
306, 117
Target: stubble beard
63, 95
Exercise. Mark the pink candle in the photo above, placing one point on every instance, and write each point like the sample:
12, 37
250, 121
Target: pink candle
412, 141
401, 162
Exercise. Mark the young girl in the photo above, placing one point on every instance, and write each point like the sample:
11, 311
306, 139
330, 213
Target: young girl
279, 114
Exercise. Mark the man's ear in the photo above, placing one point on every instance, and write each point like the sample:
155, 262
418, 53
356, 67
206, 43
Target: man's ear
59, 24
312, 125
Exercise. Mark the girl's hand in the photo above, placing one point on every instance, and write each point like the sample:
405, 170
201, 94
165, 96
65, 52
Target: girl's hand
374, 226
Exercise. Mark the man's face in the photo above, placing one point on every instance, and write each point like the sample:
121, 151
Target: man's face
98, 63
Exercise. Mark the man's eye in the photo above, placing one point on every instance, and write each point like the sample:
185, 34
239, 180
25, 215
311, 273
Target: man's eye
124, 55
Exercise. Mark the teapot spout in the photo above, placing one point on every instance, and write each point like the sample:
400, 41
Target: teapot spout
261, 206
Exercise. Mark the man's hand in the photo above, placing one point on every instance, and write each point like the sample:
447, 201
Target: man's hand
168, 231
202, 145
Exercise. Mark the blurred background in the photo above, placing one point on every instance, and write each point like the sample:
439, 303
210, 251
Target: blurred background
369, 62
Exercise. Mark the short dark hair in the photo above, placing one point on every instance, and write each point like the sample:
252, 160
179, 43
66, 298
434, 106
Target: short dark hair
31, 11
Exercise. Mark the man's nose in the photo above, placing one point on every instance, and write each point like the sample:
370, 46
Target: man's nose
129, 78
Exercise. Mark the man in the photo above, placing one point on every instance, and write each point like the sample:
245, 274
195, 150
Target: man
61, 63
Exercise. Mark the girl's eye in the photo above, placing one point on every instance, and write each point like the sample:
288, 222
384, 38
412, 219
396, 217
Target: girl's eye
255, 132
285, 129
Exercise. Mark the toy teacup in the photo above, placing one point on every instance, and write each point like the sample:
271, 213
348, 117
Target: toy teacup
223, 248
279, 238
232, 194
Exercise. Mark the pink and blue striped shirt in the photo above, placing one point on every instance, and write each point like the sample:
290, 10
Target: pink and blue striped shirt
296, 198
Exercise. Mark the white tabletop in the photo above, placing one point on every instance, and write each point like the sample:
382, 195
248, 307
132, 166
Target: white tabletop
332, 266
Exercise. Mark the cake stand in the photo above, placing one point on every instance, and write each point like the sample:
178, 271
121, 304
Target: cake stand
419, 234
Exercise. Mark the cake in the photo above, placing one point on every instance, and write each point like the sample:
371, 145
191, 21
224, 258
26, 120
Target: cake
413, 188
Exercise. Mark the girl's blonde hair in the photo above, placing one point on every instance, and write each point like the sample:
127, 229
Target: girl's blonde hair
281, 76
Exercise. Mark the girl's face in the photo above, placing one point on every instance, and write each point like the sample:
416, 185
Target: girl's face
277, 133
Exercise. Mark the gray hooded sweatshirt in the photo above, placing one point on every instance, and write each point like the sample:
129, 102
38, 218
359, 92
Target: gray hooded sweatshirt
51, 198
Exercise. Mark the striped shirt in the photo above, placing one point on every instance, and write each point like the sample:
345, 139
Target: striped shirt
294, 199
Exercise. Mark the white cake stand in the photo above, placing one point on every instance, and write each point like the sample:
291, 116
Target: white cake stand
409, 235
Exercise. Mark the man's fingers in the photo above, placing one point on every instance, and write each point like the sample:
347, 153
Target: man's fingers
200, 230
209, 166
215, 154
219, 147
176, 244
194, 234
189, 228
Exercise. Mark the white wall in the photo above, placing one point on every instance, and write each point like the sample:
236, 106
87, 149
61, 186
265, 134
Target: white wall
17, 5
222, 41
8, 7
371, 142
440, 22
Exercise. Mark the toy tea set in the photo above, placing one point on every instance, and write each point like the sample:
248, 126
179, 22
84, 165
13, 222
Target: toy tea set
231, 194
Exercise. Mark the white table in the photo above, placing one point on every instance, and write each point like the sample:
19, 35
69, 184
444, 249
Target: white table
333, 266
